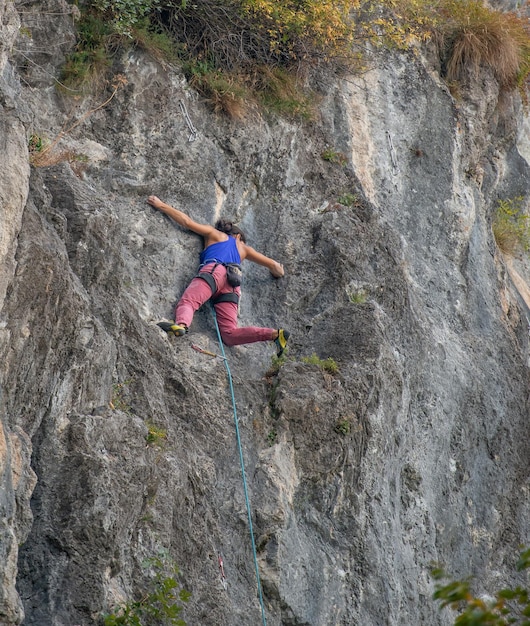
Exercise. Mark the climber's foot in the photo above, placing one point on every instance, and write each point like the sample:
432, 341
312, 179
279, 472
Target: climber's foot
171, 328
281, 341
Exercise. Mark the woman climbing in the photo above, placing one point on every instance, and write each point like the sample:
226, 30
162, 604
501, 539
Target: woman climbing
219, 278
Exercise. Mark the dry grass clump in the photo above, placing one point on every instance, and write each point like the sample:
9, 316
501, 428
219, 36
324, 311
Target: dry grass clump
241, 94
283, 92
49, 156
476, 36
224, 93
506, 239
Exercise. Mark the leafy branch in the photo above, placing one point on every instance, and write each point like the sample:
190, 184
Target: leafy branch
508, 606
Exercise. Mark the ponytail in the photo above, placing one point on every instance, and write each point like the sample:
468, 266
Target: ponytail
230, 229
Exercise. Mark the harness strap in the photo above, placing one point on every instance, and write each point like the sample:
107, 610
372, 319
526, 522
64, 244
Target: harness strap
226, 297
208, 277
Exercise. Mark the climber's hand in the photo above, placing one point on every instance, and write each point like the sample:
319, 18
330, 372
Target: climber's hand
155, 201
277, 270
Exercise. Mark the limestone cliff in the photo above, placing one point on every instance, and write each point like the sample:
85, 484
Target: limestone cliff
415, 451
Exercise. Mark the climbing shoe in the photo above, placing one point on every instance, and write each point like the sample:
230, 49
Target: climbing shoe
171, 328
281, 341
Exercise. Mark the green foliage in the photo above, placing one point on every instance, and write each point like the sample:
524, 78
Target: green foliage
328, 365
36, 143
331, 155
157, 43
469, 33
511, 227
244, 34
105, 27
155, 436
123, 15
159, 605
274, 89
358, 296
271, 437
241, 54
508, 606
276, 364
223, 91
324, 26
91, 57
42, 153
396, 24
343, 427
349, 199
281, 91
272, 46
523, 562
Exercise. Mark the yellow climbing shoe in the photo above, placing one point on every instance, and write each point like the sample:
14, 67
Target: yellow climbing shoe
281, 341
171, 328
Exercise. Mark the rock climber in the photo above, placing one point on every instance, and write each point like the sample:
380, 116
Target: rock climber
219, 278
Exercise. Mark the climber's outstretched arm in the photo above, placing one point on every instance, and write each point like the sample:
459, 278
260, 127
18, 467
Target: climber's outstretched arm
208, 232
275, 268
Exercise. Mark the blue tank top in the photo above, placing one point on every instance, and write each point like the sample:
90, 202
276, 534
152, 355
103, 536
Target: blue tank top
221, 252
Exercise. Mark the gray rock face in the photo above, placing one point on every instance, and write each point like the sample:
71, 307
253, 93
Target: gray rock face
415, 450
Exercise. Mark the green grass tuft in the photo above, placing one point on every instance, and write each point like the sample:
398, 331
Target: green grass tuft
328, 365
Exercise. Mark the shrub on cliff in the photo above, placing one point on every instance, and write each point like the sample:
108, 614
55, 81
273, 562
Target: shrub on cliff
239, 53
511, 227
237, 35
507, 606
160, 604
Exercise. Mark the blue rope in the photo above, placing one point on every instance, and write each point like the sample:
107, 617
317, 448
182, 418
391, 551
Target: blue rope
242, 463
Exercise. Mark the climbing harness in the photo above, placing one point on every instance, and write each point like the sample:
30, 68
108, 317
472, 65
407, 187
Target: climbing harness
222, 572
393, 157
203, 351
194, 133
242, 464
223, 297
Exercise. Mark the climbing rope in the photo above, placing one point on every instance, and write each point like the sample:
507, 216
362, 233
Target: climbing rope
242, 464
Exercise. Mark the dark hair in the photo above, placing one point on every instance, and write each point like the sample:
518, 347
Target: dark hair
230, 229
